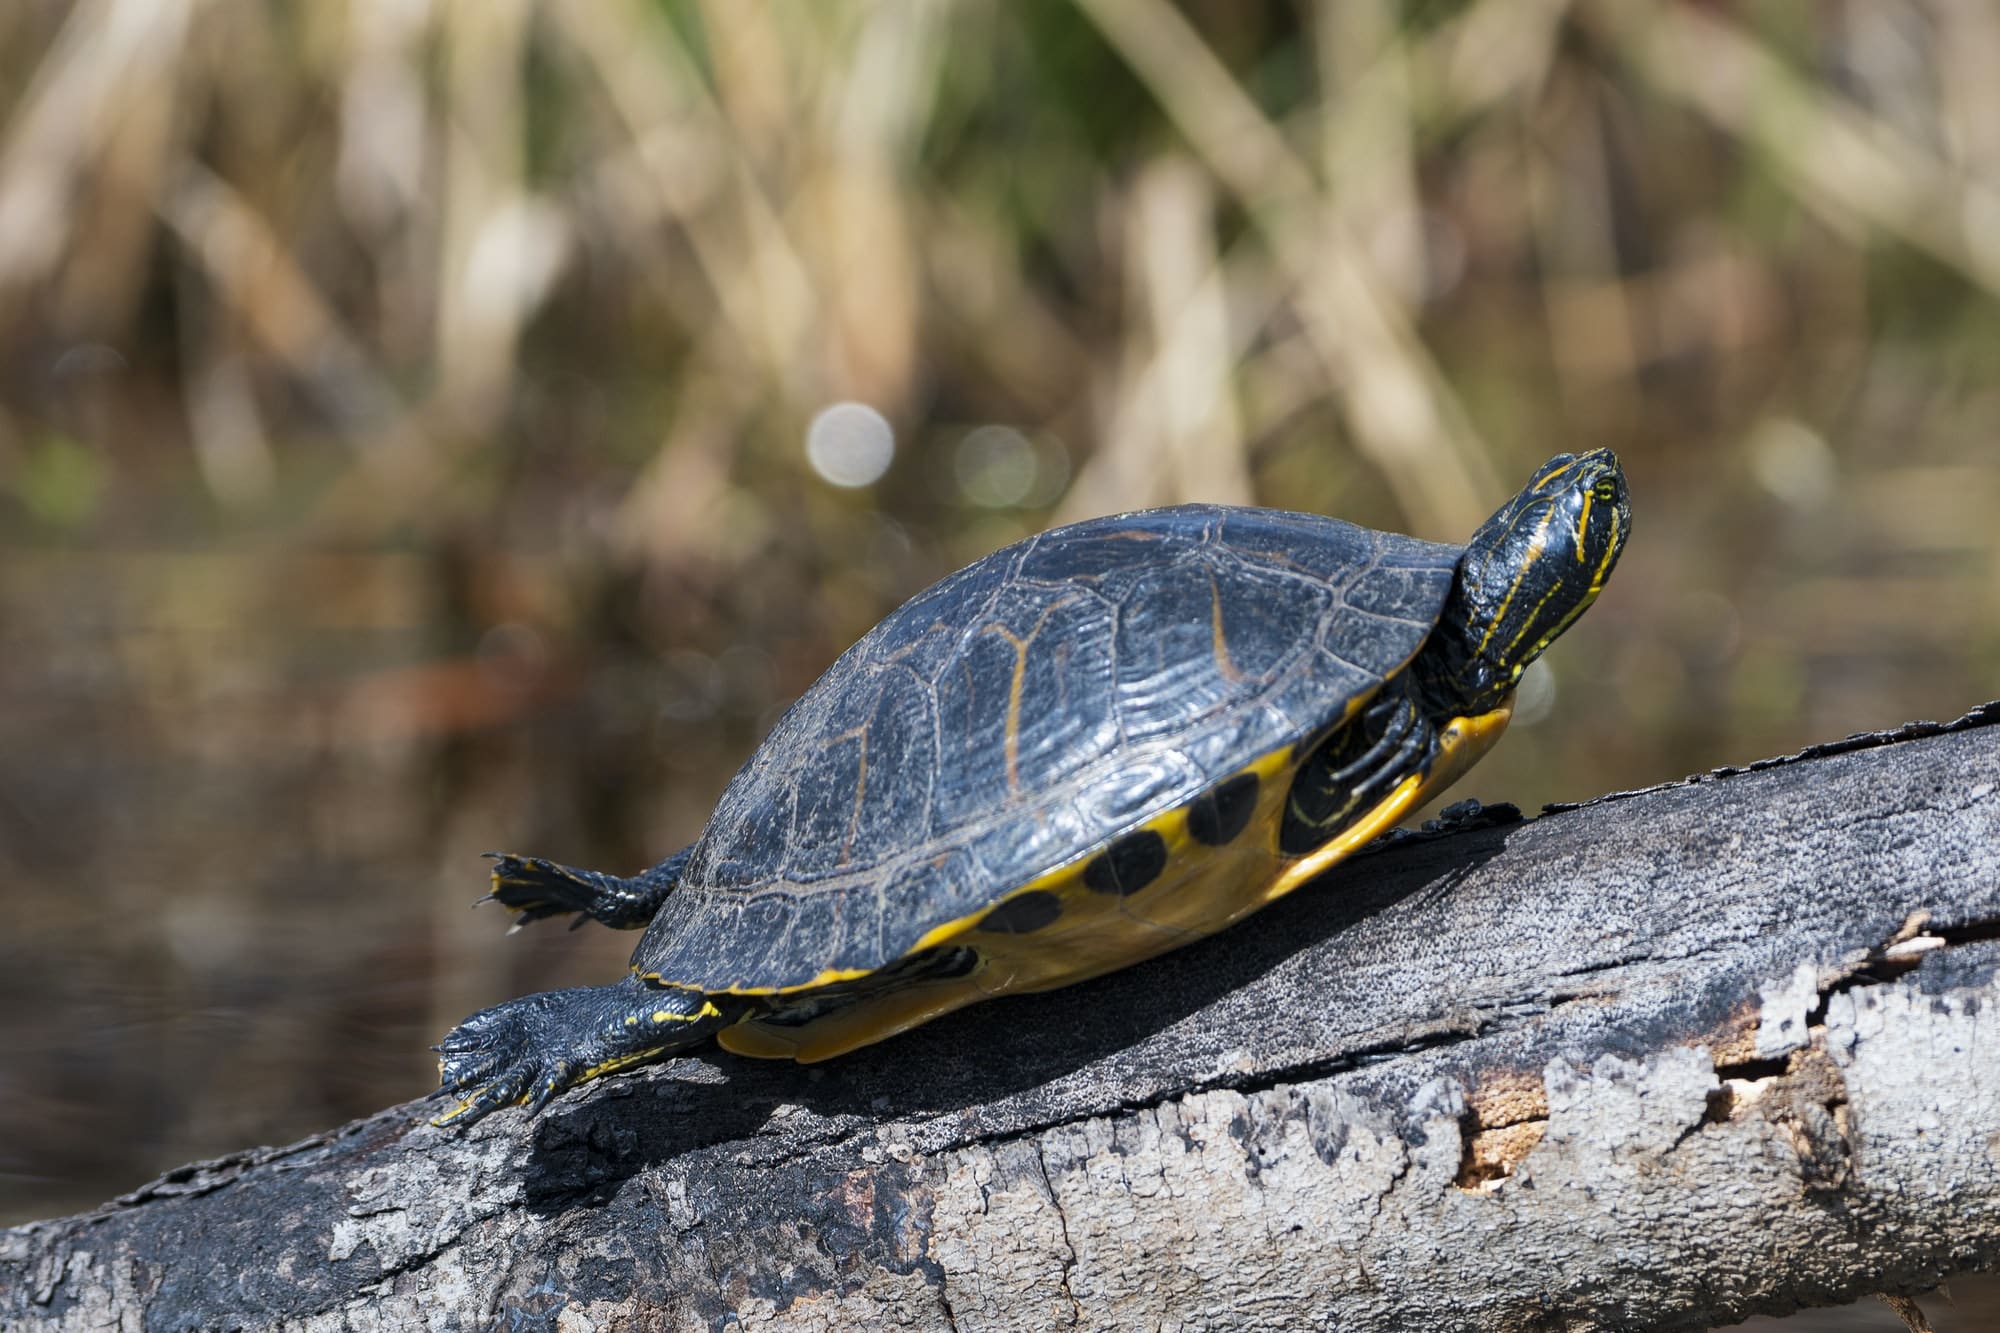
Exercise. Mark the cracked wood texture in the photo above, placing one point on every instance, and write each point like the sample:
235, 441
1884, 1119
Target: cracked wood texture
1664, 1060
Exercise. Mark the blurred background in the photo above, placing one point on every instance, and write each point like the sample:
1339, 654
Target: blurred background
434, 426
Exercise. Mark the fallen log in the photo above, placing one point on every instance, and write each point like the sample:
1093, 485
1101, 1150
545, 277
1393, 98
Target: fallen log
1668, 1059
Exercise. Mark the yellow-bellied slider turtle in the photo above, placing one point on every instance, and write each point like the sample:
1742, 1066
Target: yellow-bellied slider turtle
1081, 751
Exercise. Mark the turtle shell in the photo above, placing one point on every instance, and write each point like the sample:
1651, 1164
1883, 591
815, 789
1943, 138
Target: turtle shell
1022, 713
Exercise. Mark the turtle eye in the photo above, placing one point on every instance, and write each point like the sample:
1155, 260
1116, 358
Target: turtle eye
1606, 489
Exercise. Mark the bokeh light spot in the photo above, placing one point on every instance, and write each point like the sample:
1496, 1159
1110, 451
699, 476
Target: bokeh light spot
850, 444
996, 467
1535, 697
1793, 463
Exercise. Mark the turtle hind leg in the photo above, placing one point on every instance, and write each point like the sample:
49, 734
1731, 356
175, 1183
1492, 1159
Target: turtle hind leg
532, 888
526, 1051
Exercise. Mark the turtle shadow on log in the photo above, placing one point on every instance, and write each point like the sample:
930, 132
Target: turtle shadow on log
964, 1063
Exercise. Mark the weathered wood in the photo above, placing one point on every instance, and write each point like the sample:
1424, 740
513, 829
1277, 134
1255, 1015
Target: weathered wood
1665, 1060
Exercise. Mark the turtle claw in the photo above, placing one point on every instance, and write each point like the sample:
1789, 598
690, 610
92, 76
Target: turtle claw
471, 1110
501, 1057
561, 1077
526, 1085
532, 888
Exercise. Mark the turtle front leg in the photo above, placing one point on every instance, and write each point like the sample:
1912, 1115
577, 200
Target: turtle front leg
532, 888
526, 1051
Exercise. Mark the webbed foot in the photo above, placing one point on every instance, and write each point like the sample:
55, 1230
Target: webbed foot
526, 1051
533, 888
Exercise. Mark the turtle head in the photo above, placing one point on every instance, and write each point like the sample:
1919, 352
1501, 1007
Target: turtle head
1526, 575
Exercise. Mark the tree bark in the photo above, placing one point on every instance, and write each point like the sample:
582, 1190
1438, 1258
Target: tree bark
1665, 1060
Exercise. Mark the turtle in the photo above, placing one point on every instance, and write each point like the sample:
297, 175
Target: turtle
1081, 751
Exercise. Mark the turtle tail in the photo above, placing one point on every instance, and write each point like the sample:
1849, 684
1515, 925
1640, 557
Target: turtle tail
532, 888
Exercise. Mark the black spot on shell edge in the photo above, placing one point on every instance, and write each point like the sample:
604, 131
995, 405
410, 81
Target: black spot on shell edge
1222, 812
1022, 914
1127, 865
